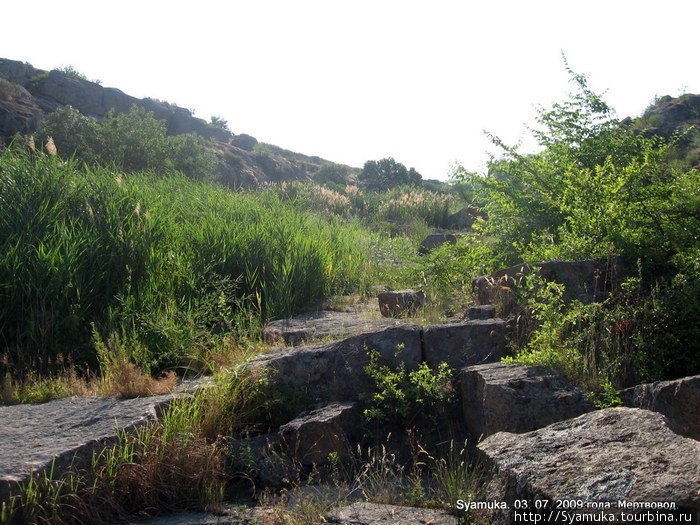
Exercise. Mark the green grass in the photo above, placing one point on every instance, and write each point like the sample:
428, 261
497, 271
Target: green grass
166, 265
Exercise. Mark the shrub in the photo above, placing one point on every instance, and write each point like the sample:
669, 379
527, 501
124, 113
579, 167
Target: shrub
411, 399
71, 72
131, 141
381, 175
331, 173
596, 190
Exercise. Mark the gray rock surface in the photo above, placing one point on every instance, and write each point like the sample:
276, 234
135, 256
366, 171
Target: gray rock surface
617, 454
399, 303
501, 397
18, 113
264, 459
678, 400
464, 343
464, 218
33, 437
330, 428
363, 513
323, 324
336, 370
484, 311
435, 240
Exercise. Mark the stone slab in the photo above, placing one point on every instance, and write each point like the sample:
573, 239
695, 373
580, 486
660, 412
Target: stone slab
323, 324
41, 436
678, 400
611, 455
502, 397
464, 343
363, 513
336, 370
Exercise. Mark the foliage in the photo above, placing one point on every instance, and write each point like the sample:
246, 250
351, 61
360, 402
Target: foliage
8, 90
219, 122
71, 72
637, 335
332, 173
131, 141
599, 189
379, 175
412, 399
162, 264
452, 268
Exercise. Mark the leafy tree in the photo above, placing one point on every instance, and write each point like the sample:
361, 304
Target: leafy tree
219, 122
380, 175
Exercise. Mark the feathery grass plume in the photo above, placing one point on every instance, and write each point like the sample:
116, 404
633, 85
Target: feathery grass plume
50, 147
31, 145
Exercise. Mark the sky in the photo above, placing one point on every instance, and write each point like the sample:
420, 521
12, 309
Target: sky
363, 80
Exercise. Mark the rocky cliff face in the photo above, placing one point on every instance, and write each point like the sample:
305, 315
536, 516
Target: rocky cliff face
28, 94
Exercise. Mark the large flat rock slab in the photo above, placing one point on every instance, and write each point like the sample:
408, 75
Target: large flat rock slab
464, 343
678, 400
503, 397
324, 324
363, 513
612, 455
35, 437
336, 370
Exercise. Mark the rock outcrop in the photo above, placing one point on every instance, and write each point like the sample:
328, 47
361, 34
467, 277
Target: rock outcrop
363, 513
336, 371
36, 93
18, 111
323, 324
435, 240
465, 218
464, 343
399, 303
501, 397
586, 281
480, 312
678, 400
607, 456
313, 436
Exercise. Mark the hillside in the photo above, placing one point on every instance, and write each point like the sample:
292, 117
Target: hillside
28, 94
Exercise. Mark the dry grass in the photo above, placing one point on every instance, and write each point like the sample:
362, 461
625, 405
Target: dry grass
124, 379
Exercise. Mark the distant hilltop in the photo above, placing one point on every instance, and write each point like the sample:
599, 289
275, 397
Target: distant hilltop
27, 94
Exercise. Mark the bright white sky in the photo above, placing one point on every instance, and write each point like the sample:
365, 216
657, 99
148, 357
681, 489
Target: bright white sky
357, 80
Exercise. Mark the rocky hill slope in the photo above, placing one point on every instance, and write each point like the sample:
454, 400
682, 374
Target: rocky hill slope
28, 94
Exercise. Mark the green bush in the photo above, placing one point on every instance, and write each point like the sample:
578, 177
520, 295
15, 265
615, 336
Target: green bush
331, 173
384, 174
132, 141
410, 399
598, 189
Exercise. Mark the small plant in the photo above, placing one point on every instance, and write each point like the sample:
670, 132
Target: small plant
71, 72
410, 399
